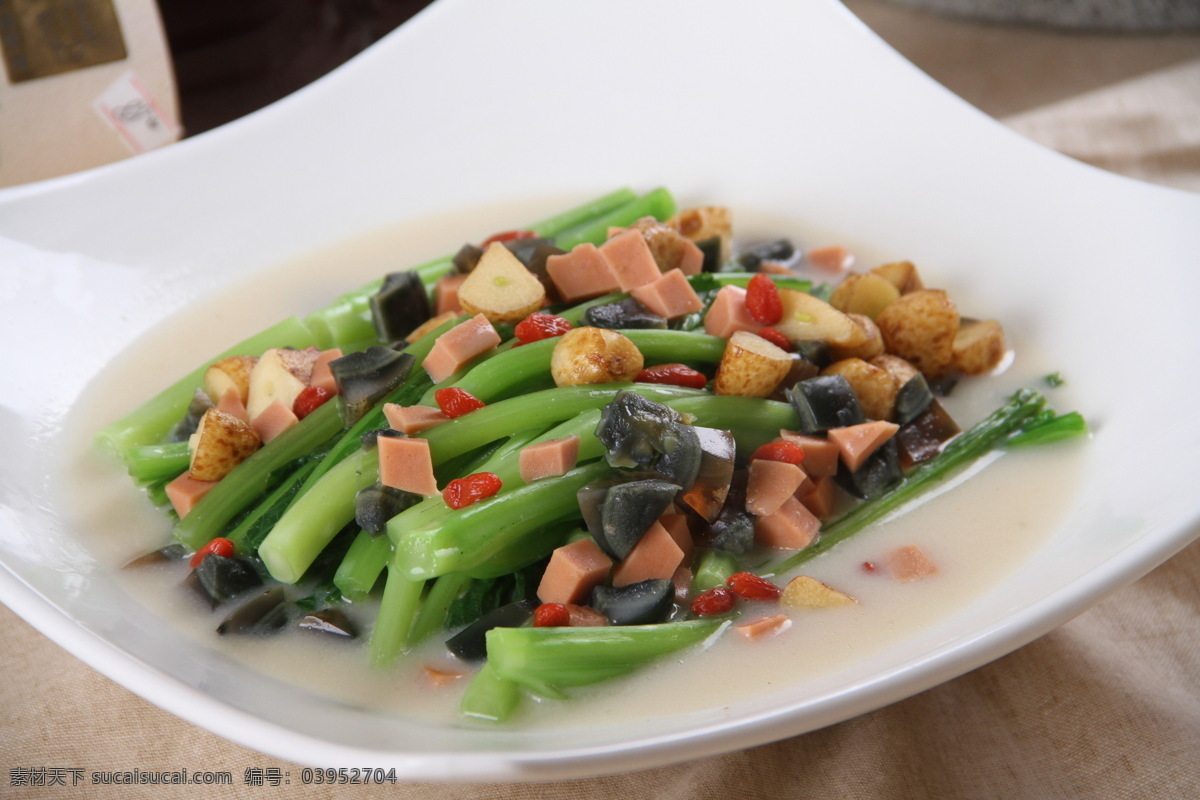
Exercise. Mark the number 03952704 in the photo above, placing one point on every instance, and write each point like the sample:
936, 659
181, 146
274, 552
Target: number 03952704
347, 775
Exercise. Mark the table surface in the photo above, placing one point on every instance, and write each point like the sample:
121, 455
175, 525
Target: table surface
1107, 706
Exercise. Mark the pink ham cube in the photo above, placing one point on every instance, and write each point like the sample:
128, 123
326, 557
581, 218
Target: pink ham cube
406, 464
548, 459
631, 260
792, 527
655, 556
670, 296
581, 274
185, 491
412, 419
273, 420
445, 293
458, 346
574, 570
322, 375
770, 484
728, 314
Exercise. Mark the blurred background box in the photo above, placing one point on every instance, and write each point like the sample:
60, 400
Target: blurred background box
89, 82
85, 82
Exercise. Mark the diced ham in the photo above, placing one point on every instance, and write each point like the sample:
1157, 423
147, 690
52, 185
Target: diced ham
676, 525
820, 497
630, 259
231, 403
820, 455
548, 459
792, 527
834, 258
273, 420
581, 274
693, 259
728, 314
445, 293
765, 628
457, 346
770, 484
669, 296
574, 570
322, 376
185, 491
909, 563
856, 443
654, 556
585, 616
406, 464
412, 419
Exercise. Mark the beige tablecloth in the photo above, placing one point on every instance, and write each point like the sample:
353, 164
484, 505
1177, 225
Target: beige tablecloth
1108, 706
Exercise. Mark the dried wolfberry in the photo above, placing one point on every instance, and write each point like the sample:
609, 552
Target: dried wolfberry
776, 338
749, 586
219, 546
462, 492
869, 566
507, 236
762, 300
780, 450
455, 402
309, 400
551, 615
674, 375
713, 602
538, 326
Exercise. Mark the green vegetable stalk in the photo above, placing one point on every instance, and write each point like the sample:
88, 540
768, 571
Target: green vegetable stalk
547, 660
397, 610
315, 517
489, 697
155, 462
362, 565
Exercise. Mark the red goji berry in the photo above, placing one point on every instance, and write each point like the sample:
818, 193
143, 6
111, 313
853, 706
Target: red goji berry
219, 546
776, 338
749, 586
538, 326
551, 615
462, 492
507, 236
869, 566
674, 375
455, 402
762, 300
309, 400
713, 602
780, 450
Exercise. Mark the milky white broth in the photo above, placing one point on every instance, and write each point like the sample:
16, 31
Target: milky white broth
978, 534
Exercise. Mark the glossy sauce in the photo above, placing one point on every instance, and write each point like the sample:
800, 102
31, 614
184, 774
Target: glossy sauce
978, 534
